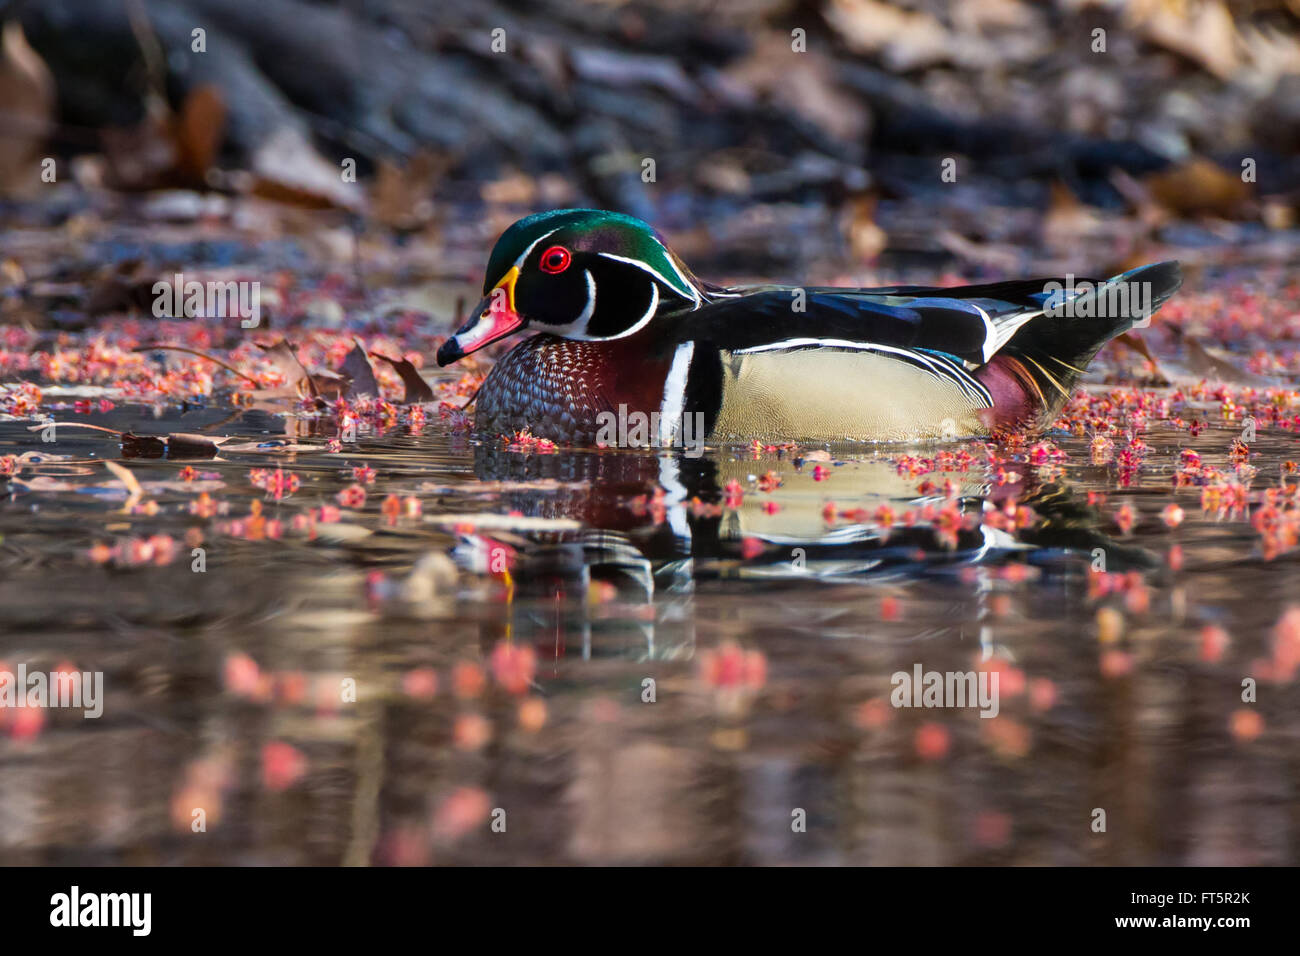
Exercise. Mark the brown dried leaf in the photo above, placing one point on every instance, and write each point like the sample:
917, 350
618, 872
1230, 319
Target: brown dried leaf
866, 239
359, 372
1067, 219
1134, 342
288, 169
1199, 187
904, 39
27, 95
417, 389
402, 196
285, 359
198, 132
1201, 30
1204, 364
128, 480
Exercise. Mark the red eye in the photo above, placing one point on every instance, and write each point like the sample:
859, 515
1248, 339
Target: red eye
555, 259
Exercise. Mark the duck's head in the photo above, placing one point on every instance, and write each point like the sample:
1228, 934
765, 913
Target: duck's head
580, 274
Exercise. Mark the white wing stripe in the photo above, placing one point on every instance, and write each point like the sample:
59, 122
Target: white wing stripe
1006, 327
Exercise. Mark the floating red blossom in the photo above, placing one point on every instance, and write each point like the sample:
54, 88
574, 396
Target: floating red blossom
353, 496
513, 666
282, 765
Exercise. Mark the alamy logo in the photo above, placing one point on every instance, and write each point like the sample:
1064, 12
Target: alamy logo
1106, 300
59, 688
639, 430
923, 688
211, 300
103, 909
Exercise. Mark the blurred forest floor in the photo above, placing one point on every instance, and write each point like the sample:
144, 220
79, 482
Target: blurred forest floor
785, 139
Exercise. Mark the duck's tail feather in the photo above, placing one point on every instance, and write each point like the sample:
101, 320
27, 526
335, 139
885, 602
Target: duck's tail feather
1034, 373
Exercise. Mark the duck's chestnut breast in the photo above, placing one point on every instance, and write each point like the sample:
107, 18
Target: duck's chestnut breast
556, 387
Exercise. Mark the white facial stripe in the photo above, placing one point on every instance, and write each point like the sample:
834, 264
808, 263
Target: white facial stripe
693, 294
674, 400
686, 283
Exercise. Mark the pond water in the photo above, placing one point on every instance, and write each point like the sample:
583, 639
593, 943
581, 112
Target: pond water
676, 661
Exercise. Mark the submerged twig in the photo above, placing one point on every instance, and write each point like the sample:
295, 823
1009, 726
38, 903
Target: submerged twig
203, 355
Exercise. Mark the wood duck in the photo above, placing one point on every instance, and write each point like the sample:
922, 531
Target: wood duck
627, 329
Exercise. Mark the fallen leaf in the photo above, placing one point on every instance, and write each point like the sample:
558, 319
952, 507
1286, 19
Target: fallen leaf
1067, 219
417, 389
1199, 187
359, 372
1204, 364
402, 196
866, 239
1134, 342
1201, 30
905, 39
198, 132
27, 92
198, 486
288, 169
133, 490
297, 379
269, 447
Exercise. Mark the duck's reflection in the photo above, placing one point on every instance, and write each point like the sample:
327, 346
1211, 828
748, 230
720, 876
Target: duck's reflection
653, 527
